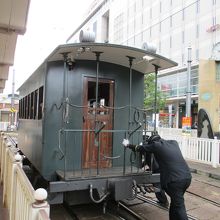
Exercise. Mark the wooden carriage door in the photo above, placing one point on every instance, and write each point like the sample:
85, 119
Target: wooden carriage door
104, 115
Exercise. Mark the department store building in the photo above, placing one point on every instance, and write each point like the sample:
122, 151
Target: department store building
172, 26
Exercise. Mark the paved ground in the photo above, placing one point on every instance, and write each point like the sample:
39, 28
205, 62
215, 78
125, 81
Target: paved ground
204, 169
202, 185
195, 206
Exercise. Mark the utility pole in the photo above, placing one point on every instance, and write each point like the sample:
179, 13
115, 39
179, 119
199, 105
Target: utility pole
188, 91
13, 99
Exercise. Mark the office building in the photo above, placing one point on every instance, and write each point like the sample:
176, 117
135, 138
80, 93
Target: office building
172, 26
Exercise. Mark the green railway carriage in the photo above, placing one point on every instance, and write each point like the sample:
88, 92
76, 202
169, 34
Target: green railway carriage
74, 112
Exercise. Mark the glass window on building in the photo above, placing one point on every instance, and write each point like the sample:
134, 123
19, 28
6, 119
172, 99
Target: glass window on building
194, 81
175, 85
197, 6
168, 85
183, 58
197, 31
190, 13
183, 37
182, 82
197, 54
118, 28
95, 27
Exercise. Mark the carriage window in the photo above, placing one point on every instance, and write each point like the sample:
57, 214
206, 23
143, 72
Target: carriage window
23, 108
40, 103
29, 106
103, 96
35, 103
32, 105
22, 114
20, 104
26, 107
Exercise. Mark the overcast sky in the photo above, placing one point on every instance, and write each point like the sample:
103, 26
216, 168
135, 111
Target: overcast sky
50, 23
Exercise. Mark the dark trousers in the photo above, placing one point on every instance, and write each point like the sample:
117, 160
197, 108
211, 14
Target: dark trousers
176, 192
161, 196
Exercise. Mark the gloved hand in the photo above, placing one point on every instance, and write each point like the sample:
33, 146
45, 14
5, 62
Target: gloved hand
125, 142
133, 147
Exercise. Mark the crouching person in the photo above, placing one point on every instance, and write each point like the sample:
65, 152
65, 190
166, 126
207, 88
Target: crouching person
175, 176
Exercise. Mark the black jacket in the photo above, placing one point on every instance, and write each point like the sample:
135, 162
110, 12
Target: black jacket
172, 165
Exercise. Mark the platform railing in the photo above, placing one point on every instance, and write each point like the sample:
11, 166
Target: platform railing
201, 150
4, 125
22, 201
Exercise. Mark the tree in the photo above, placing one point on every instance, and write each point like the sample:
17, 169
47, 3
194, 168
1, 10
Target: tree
149, 94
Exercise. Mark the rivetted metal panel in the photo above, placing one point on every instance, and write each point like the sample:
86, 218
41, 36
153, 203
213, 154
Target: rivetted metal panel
30, 140
30, 133
53, 118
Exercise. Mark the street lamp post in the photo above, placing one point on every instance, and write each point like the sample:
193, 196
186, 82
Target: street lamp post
188, 92
12, 99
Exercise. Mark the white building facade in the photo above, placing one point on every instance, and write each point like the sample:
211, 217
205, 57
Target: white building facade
172, 26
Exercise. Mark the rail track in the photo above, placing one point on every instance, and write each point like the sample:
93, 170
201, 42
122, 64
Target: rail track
113, 211
207, 183
156, 204
204, 199
204, 184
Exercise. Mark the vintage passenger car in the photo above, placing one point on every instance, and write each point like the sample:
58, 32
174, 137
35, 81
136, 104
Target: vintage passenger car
75, 110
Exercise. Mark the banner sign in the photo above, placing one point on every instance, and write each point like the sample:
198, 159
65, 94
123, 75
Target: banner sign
186, 125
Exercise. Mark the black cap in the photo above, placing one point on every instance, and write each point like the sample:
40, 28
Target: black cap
153, 138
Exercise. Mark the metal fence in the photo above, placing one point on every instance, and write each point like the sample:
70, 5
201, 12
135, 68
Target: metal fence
22, 201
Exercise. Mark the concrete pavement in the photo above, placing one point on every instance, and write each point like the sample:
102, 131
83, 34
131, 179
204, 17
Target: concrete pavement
204, 169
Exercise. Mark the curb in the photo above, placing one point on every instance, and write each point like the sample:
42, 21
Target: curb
205, 173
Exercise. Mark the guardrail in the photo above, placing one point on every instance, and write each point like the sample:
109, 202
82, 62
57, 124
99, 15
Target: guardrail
22, 201
4, 125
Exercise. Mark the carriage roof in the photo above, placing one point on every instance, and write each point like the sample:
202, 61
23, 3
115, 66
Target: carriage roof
143, 62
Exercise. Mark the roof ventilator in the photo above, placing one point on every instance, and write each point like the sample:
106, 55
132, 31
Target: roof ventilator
86, 36
149, 47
